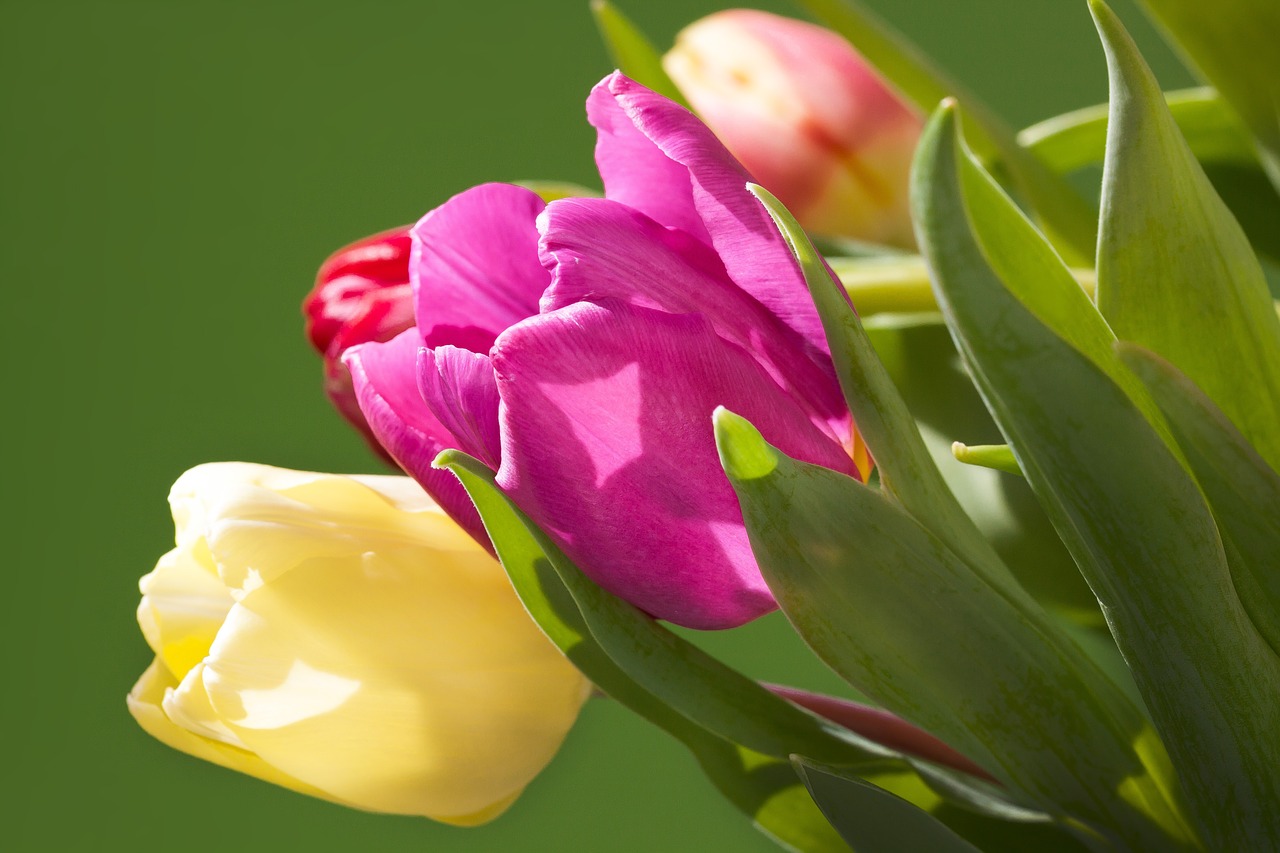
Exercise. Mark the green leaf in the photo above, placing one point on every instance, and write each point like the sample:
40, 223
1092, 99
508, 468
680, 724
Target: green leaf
923, 364
683, 676
765, 789
896, 613
1077, 139
1222, 145
1243, 491
1065, 213
633, 53
1233, 45
907, 470
874, 821
1130, 514
1176, 273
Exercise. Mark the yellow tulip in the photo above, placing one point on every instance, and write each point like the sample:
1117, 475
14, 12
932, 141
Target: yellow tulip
341, 636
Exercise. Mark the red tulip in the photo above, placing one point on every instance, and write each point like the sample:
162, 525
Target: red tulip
361, 295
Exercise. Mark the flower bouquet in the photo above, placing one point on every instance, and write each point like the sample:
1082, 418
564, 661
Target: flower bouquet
762, 370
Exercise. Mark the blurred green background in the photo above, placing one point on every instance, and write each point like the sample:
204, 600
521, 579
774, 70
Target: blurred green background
174, 172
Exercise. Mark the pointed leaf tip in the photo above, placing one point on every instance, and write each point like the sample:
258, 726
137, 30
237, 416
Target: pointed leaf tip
744, 454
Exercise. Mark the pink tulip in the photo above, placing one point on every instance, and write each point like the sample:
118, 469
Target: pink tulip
580, 347
807, 116
361, 294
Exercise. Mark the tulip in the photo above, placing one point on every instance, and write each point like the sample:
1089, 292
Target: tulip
580, 347
342, 637
807, 116
361, 294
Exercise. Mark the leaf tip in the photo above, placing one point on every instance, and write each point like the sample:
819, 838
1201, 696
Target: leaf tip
744, 454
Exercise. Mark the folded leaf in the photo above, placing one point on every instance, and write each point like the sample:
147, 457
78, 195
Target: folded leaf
1233, 45
1176, 273
1130, 515
763, 788
896, 613
1243, 491
907, 470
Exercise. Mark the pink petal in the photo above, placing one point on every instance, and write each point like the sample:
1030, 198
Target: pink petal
386, 385
459, 387
607, 443
641, 167
474, 266
599, 248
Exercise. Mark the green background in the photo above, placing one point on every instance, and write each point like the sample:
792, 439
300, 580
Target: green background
173, 174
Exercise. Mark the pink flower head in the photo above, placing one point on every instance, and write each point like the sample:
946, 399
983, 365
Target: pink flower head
801, 109
580, 347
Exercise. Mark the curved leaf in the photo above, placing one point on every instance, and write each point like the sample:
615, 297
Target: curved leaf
765, 789
1130, 515
1243, 491
1176, 273
896, 613
1233, 44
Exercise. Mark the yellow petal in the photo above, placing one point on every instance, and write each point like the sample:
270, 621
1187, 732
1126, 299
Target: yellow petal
409, 680
183, 606
145, 704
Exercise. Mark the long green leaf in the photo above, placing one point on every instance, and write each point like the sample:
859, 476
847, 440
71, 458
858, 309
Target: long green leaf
1065, 213
765, 789
1176, 273
1130, 515
632, 52
922, 362
683, 676
1243, 491
893, 610
907, 470
1233, 44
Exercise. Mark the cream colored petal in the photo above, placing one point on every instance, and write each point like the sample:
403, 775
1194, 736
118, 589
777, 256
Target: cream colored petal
187, 705
145, 704
183, 605
408, 680
258, 521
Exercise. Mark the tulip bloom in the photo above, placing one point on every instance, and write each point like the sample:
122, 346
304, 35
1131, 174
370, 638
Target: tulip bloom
342, 637
580, 347
361, 294
803, 112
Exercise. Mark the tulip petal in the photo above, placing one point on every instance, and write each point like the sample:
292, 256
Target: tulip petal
460, 388
599, 248
474, 266
645, 144
183, 605
386, 386
607, 443
312, 672
145, 703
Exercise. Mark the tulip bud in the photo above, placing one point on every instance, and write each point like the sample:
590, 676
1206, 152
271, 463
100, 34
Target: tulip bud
342, 637
807, 117
361, 294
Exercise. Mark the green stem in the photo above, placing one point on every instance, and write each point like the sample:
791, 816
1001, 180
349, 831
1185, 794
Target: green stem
900, 285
